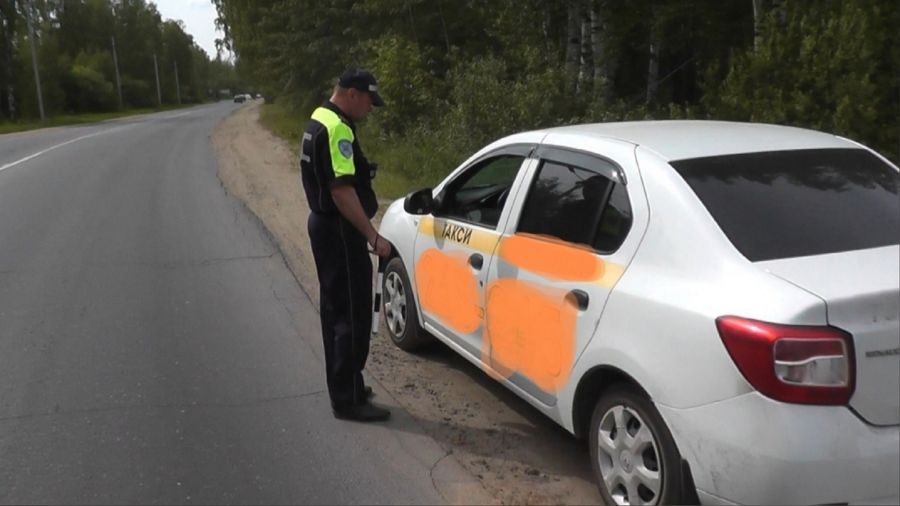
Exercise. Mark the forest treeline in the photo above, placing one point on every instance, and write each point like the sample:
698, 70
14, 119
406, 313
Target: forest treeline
458, 73
77, 44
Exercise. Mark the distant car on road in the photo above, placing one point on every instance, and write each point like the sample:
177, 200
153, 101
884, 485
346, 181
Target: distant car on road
239, 99
713, 306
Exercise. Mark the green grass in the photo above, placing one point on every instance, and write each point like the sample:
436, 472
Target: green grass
78, 119
282, 122
400, 164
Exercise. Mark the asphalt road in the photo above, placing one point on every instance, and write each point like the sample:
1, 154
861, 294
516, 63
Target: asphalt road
154, 347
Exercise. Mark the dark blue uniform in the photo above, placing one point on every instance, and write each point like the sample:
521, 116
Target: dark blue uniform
331, 156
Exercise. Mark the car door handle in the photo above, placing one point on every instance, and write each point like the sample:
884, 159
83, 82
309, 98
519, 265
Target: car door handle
476, 261
582, 299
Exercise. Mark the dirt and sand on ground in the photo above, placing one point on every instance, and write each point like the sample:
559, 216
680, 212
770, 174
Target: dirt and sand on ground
520, 456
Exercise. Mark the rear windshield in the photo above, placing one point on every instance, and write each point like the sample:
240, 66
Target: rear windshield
785, 204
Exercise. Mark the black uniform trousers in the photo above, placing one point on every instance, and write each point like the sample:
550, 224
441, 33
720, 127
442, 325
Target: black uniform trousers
345, 304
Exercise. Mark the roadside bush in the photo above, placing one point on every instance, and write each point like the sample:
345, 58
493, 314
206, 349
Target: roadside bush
601, 110
88, 85
484, 104
91, 91
138, 93
406, 84
822, 68
488, 103
419, 158
285, 122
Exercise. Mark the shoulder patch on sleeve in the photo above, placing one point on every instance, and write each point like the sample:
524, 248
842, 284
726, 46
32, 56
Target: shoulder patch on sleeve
346, 148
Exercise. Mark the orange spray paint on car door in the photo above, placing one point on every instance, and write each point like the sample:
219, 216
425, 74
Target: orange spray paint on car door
448, 289
552, 257
530, 330
449, 283
531, 326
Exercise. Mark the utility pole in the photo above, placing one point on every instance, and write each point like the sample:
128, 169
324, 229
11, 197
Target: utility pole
34, 62
118, 79
156, 70
10, 72
177, 85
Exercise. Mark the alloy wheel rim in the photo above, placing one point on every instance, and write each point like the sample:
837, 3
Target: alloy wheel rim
395, 304
628, 455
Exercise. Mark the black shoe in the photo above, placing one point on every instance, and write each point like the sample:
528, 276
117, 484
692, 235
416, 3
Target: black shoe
367, 396
362, 413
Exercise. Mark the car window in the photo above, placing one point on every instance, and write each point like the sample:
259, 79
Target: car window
577, 205
787, 204
479, 194
615, 222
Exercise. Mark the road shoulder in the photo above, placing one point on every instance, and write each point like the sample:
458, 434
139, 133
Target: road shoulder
514, 454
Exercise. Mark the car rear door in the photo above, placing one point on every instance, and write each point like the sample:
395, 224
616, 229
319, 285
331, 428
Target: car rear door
562, 251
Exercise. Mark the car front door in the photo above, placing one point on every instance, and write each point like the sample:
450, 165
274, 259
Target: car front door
554, 267
454, 246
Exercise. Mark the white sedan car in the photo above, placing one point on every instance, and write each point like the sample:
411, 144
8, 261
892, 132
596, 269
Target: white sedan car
713, 306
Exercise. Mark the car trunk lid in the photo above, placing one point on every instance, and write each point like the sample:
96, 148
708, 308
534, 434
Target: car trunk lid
861, 290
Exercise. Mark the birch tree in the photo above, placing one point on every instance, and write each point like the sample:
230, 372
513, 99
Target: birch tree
653, 59
758, 13
573, 45
586, 69
602, 62
8, 17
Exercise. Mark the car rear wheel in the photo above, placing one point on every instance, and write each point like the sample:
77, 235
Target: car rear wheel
634, 457
400, 314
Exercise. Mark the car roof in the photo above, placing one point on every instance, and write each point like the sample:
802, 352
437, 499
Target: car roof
682, 139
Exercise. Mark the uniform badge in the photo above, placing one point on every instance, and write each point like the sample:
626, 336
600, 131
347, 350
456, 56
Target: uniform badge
346, 148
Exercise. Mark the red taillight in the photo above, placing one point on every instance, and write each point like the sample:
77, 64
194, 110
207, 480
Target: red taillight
792, 363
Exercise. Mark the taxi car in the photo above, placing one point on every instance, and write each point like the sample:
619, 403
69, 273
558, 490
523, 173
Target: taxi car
713, 306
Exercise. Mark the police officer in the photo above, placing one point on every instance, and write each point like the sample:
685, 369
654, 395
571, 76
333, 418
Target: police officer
337, 179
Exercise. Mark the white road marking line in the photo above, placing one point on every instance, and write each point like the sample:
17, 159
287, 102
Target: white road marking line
51, 148
178, 115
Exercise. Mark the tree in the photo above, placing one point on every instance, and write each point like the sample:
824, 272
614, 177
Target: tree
573, 44
827, 68
8, 24
73, 41
459, 70
586, 69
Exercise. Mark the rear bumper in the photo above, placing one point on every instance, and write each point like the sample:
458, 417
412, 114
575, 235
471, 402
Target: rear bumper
751, 449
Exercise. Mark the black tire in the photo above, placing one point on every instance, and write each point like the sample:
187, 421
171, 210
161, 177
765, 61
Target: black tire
637, 412
398, 302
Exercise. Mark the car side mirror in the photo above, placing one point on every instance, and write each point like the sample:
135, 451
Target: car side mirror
419, 202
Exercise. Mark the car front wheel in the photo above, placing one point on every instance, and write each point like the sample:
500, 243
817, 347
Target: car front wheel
634, 457
400, 314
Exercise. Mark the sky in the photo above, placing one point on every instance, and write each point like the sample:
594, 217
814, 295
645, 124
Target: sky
199, 17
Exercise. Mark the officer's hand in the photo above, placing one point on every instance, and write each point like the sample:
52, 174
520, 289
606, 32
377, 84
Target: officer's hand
381, 247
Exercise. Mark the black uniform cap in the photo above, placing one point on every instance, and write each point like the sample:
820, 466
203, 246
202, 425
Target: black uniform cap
363, 80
